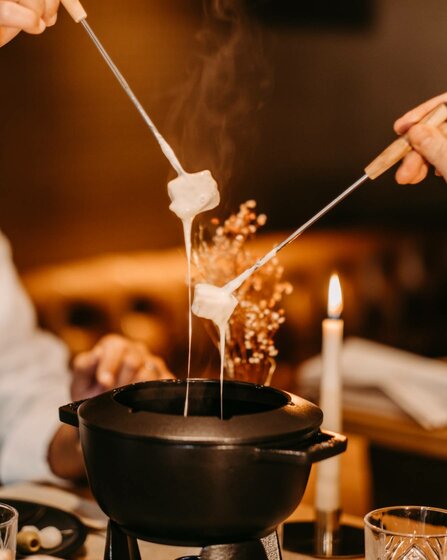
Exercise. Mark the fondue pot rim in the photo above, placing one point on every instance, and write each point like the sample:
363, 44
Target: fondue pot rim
294, 422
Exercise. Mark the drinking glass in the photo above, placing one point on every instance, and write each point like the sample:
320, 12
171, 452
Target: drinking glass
8, 532
406, 533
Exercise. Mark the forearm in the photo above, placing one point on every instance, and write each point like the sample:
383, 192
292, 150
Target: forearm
65, 455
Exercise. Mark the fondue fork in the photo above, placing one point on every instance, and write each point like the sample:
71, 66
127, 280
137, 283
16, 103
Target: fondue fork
77, 12
386, 159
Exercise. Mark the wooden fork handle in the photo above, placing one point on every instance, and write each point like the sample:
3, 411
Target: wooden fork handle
400, 147
75, 9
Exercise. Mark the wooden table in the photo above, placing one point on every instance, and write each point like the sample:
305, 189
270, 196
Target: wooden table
75, 500
95, 543
94, 549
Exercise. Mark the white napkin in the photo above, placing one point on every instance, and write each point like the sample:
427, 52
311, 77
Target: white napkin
416, 384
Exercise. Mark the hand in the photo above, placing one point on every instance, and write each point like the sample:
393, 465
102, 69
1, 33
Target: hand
32, 16
429, 143
113, 362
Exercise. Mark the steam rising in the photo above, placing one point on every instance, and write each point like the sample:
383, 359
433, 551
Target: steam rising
226, 86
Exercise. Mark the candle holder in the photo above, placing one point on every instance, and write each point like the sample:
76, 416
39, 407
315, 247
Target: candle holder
325, 537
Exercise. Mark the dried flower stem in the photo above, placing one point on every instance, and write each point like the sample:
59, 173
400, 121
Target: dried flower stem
250, 348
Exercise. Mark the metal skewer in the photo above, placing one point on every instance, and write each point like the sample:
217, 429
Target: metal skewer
236, 282
77, 12
386, 159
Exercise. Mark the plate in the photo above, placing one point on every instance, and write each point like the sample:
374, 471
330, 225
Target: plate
40, 515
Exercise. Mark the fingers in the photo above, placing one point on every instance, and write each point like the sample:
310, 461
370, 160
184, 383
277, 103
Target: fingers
84, 383
113, 362
139, 365
111, 351
413, 169
45, 9
50, 12
32, 16
20, 16
86, 361
6, 34
36, 6
431, 143
132, 362
122, 361
154, 368
415, 115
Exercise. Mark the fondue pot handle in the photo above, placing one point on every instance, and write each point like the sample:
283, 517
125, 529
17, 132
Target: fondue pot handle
68, 414
325, 445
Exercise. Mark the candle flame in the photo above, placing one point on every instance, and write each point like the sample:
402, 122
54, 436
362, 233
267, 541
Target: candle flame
335, 298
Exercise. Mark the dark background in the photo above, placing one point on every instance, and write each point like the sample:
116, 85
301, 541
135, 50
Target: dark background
284, 103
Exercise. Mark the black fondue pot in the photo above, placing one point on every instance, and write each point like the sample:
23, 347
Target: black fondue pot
199, 480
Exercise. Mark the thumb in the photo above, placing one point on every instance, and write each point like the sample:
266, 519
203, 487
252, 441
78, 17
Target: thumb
431, 144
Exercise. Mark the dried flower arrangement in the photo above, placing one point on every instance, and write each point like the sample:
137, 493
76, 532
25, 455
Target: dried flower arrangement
250, 348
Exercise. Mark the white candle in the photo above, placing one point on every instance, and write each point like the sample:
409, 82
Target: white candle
328, 472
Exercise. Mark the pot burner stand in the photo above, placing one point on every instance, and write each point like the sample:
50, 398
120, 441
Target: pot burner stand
120, 545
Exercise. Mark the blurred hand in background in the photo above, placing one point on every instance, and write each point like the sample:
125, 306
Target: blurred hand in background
429, 143
113, 362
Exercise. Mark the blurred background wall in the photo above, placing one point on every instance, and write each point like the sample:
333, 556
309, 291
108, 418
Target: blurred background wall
284, 103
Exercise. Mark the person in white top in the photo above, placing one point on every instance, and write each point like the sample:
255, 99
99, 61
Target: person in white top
34, 375
35, 380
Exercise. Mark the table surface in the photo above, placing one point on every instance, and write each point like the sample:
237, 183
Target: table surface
95, 542
75, 500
